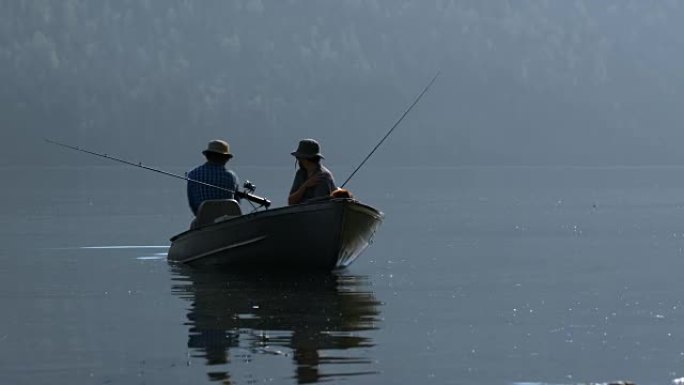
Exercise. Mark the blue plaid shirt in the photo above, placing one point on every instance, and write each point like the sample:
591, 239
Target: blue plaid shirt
213, 174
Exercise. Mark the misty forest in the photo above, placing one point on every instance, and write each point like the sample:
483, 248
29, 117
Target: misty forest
522, 82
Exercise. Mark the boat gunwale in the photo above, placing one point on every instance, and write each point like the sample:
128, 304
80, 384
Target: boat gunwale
284, 210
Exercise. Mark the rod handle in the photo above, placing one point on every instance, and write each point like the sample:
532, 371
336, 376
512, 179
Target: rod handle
254, 198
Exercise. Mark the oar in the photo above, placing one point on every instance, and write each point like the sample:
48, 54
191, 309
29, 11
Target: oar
393, 127
252, 198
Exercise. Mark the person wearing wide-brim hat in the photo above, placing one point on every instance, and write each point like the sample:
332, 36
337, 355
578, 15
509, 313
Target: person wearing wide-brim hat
312, 179
212, 172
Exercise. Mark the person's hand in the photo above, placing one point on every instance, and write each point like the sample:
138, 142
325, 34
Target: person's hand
314, 180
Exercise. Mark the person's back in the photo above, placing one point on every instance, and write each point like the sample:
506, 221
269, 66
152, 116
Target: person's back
213, 173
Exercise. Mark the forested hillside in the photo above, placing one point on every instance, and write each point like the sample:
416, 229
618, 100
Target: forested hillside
523, 82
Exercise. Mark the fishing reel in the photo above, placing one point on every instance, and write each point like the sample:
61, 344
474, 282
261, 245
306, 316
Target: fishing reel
248, 194
249, 186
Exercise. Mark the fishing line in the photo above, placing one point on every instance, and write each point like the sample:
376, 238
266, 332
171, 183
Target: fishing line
393, 127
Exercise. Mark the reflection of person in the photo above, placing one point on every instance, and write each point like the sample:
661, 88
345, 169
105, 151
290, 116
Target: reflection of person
212, 172
312, 180
228, 319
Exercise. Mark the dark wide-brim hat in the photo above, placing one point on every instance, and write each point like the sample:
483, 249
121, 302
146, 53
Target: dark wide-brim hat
218, 147
308, 149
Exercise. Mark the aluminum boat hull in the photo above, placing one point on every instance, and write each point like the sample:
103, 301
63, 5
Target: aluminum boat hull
324, 235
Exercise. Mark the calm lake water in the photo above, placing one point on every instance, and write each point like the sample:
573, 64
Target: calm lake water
477, 276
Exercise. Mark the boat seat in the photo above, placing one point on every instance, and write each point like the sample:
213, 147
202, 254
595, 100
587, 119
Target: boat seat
212, 211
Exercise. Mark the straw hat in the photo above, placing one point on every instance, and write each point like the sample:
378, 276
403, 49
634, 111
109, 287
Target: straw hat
218, 147
308, 149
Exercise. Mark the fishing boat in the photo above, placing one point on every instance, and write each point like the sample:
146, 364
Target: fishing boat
326, 234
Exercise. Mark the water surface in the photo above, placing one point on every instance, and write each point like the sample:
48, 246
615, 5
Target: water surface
477, 276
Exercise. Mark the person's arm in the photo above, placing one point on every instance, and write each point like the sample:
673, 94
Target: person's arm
325, 186
298, 189
191, 194
236, 186
296, 196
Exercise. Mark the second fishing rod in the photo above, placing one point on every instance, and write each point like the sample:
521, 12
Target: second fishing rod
247, 194
427, 87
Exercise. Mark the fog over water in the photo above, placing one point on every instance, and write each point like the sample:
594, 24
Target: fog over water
533, 199
524, 82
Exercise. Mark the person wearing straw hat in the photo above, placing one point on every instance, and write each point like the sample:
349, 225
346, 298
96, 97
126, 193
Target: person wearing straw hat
312, 179
212, 172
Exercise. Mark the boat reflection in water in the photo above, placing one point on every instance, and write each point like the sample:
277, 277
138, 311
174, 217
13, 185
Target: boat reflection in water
319, 322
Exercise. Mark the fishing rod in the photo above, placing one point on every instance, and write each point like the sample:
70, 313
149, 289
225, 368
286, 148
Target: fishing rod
242, 194
393, 127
